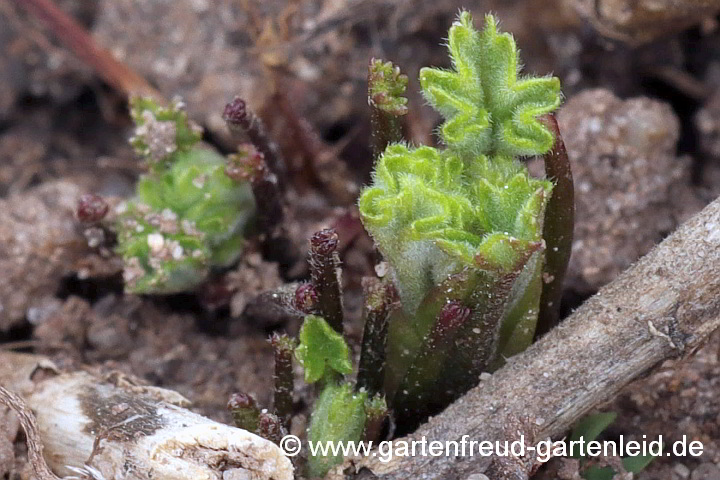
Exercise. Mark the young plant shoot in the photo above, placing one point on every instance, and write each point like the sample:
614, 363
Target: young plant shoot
462, 230
462, 226
187, 215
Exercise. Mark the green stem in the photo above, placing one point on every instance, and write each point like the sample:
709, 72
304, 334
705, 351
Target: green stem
386, 85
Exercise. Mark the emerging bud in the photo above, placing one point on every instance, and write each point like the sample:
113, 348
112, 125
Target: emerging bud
247, 164
324, 242
386, 87
244, 411
235, 113
306, 298
91, 208
270, 427
244, 124
376, 411
453, 315
241, 400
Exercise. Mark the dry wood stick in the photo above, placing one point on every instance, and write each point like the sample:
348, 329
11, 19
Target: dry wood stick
111, 428
665, 306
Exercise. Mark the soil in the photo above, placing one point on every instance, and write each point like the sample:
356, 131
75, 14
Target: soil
641, 123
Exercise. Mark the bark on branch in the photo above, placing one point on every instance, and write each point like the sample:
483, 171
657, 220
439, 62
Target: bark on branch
110, 428
665, 306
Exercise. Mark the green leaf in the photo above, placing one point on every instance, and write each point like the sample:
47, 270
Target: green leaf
591, 427
637, 464
488, 109
631, 464
322, 350
338, 416
598, 473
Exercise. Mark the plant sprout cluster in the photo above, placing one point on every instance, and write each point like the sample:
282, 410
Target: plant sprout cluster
475, 247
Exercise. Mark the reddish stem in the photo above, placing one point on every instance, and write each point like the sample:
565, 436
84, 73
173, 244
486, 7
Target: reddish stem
557, 230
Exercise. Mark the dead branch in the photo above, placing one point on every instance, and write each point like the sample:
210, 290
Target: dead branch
665, 306
27, 420
111, 428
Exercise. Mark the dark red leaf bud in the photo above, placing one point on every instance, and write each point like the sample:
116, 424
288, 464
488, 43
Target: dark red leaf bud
324, 242
452, 315
240, 401
235, 112
270, 426
91, 208
306, 298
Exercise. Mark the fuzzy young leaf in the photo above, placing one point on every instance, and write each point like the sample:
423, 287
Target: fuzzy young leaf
433, 212
463, 223
322, 350
161, 131
432, 215
489, 110
339, 417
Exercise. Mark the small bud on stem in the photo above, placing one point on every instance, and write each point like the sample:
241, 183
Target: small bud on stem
271, 427
451, 317
240, 119
306, 298
244, 411
325, 274
91, 208
249, 164
386, 86
376, 411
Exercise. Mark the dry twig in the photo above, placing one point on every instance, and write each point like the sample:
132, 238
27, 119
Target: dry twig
112, 428
27, 420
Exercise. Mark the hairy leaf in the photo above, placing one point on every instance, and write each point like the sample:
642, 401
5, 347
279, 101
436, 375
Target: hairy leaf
463, 223
339, 416
322, 350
